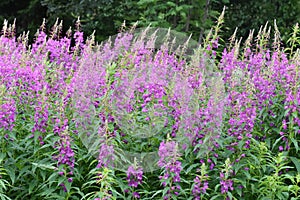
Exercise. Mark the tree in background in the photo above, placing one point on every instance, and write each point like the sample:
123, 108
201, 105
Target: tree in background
106, 16
190, 16
28, 14
248, 15
103, 16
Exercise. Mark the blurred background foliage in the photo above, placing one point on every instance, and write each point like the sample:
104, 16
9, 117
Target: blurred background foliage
190, 16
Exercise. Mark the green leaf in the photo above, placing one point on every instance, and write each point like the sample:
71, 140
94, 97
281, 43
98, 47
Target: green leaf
191, 167
171, 4
295, 142
2, 184
144, 3
216, 196
296, 163
44, 166
12, 175
32, 186
276, 142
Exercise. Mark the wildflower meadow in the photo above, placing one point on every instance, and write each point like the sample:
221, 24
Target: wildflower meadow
149, 114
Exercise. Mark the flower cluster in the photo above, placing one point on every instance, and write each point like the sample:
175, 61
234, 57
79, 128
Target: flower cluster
169, 155
66, 154
7, 115
200, 187
127, 93
134, 176
41, 118
106, 156
226, 184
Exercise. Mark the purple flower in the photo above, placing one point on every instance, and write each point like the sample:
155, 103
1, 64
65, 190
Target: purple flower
200, 187
134, 176
168, 153
66, 153
106, 156
284, 126
136, 195
280, 148
63, 187
7, 114
226, 185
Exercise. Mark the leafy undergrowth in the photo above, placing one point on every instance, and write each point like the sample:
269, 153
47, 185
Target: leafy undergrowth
75, 119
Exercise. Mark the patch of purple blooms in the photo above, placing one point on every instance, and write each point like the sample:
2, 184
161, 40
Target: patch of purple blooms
219, 112
134, 178
199, 188
226, 184
168, 153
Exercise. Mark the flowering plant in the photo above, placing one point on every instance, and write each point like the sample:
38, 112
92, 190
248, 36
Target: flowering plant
127, 120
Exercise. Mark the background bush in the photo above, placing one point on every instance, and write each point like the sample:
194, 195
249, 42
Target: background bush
188, 16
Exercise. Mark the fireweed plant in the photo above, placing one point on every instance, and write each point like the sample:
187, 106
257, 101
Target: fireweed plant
127, 120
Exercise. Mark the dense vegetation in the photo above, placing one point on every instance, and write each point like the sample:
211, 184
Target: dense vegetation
148, 114
189, 16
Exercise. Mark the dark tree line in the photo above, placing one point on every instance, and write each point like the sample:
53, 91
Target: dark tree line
191, 16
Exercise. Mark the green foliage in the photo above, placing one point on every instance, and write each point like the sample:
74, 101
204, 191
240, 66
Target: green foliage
4, 184
103, 16
28, 170
190, 16
294, 42
28, 14
248, 15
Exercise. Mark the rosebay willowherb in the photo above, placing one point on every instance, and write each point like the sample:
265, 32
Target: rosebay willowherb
146, 86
